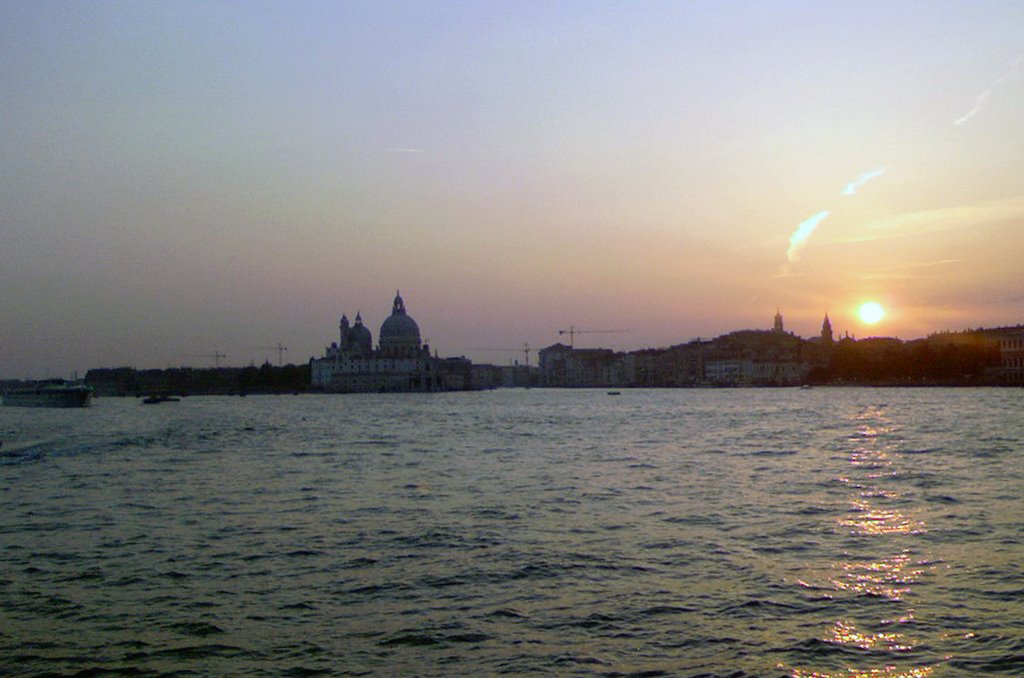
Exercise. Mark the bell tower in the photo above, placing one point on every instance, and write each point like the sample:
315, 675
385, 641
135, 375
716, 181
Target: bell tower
343, 328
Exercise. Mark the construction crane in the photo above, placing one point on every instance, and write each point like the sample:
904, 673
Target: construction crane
525, 350
572, 332
216, 355
280, 348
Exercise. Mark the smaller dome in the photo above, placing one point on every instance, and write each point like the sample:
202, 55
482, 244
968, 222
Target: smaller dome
360, 334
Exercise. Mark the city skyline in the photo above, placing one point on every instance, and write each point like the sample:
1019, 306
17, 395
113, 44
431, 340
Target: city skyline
185, 178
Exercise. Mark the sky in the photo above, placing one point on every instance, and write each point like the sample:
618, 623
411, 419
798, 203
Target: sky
184, 178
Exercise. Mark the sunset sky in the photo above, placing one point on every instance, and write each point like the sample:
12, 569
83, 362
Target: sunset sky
183, 177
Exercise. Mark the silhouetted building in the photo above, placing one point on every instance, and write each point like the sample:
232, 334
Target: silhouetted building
777, 327
747, 372
400, 363
778, 358
1011, 352
679, 365
562, 365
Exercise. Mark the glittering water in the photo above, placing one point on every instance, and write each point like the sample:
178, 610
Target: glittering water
824, 532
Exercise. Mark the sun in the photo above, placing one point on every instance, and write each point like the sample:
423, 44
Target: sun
871, 312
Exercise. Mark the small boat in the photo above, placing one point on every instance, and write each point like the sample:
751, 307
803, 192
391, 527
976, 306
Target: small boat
49, 393
614, 392
157, 399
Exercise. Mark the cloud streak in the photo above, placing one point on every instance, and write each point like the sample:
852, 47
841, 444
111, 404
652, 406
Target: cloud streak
851, 188
798, 240
920, 222
981, 101
803, 232
945, 219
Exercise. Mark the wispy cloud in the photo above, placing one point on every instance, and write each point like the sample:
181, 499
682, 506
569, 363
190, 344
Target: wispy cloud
405, 150
944, 219
981, 101
851, 188
802, 233
917, 222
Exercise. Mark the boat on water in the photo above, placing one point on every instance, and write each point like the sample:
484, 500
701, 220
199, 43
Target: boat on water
157, 399
50, 393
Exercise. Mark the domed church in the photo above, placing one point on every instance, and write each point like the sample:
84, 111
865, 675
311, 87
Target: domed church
402, 362
400, 335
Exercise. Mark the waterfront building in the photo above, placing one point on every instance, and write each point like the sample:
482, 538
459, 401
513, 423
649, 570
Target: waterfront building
562, 365
1011, 352
729, 372
401, 362
748, 372
680, 365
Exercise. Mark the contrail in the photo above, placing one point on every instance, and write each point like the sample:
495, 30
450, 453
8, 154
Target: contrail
802, 233
982, 100
851, 188
806, 228
799, 239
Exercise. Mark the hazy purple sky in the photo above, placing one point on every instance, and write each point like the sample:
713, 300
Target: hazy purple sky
183, 177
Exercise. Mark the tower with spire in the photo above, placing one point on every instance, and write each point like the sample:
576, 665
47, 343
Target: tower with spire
826, 332
778, 329
343, 331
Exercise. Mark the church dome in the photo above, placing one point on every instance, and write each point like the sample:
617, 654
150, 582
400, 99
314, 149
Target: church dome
359, 335
399, 325
399, 335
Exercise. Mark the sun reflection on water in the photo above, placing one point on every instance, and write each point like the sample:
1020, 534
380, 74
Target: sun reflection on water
890, 577
873, 465
847, 633
885, 672
868, 520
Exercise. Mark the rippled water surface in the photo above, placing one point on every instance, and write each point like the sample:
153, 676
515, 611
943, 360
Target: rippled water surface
824, 532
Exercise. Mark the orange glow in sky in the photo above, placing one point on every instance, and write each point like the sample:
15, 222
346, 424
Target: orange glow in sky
180, 178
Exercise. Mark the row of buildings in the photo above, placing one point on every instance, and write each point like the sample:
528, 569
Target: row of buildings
746, 357
777, 358
774, 357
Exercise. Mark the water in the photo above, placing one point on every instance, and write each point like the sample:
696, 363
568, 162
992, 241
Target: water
825, 532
